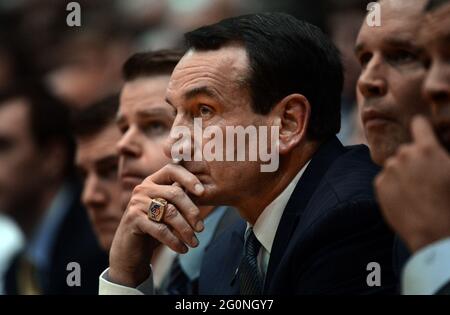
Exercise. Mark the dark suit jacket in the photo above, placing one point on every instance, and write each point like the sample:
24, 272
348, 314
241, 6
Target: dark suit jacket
330, 230
445, 290
75, 242
181, 284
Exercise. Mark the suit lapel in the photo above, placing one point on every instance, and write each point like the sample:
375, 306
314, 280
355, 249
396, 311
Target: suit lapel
226, 253
298, 201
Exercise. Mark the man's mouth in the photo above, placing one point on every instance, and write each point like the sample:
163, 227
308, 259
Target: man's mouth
373, 119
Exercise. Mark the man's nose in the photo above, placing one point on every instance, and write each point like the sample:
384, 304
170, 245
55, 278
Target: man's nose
93, 195
371, 82
180, 137
129, 145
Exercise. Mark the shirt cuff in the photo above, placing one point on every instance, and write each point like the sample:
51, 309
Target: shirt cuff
106, 287
428, 270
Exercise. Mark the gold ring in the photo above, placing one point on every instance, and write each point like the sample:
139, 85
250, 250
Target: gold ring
156, 209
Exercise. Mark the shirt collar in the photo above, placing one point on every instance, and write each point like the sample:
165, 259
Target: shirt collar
191, 261
267, 223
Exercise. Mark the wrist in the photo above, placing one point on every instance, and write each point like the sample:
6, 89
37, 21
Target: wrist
127, 276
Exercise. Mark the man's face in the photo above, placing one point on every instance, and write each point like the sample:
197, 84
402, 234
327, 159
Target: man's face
144, 120
210, 85
389, 87
20, 159
435, 37
97, 161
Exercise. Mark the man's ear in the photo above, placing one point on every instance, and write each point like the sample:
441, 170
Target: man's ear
293, 113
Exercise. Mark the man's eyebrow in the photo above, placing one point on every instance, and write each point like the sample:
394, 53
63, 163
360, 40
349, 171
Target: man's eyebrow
152, 112
202, 90
404, 43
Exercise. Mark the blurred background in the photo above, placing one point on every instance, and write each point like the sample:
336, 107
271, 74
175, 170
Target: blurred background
82, 65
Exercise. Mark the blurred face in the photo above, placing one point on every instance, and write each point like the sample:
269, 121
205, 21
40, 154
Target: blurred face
207, 85
144, 120
388, 89
97, 161
435, 37
21, 161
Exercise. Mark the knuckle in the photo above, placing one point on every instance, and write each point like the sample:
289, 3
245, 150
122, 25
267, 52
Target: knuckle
187, 232
171, 212
139, 189
174, 192
193, 213
169, 168
390, 164
130, 216
133, 203
162, 230
174, 243
426, 149
403, 151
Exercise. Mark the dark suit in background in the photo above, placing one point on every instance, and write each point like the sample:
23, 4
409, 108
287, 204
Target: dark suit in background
74, 241
331, 229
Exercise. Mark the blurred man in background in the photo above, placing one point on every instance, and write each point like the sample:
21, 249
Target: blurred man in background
98, 161
87, 66
344, 22
38, 191
389, 87
414, 187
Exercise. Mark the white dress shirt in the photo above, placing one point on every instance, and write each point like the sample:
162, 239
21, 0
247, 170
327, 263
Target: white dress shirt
12, 241
428, 270
267, 223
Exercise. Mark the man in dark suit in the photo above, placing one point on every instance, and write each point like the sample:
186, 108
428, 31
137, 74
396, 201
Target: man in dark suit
329, 232
310, 223
39, 191
413, 189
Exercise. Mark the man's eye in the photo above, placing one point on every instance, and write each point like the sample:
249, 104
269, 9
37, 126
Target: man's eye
5, 145
402, 57
108, 172
156, 128
364, 59
205, 111
123, 128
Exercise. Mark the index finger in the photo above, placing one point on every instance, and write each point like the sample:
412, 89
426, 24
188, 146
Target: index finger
422, 131
172, 173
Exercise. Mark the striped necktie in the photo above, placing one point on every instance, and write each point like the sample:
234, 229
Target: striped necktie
250, 276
